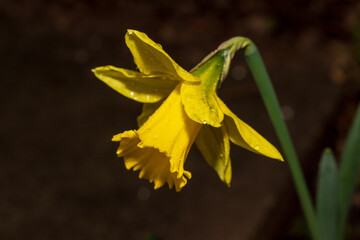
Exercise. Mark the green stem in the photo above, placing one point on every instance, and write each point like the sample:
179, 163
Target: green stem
264, 84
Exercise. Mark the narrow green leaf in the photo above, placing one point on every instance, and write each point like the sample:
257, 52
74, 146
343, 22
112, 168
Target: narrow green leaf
327, 196
349, 170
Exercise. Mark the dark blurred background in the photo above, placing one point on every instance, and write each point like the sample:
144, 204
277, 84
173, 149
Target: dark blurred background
59, 176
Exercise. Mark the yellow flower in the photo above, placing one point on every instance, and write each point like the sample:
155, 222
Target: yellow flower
191, 111
160, 146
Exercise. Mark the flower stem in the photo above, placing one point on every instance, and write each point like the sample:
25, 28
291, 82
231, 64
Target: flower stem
266, 89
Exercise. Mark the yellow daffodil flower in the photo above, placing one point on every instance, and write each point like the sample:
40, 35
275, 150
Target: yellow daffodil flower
180, 108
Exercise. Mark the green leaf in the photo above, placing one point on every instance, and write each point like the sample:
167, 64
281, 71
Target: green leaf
349, 169
214, 145
136, 85
327, 196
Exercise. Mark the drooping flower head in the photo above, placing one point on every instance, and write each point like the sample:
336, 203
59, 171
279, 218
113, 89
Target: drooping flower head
180, 108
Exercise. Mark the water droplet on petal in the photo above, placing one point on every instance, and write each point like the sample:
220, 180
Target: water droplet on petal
256, 147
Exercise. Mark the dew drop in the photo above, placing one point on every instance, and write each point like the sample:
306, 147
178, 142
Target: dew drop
132, 93
256, 147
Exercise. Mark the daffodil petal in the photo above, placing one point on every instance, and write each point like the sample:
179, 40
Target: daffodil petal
151, 164
147, 110
150, 58
244, 136
170, 131
200, 105
136, 85
214, 145
200, 100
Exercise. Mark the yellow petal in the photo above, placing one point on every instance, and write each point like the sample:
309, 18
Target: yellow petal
214, 145
170, 131
244, 136
200, 100
201, 105
147, 110
152, 164
136, 85
150, 58
160, 147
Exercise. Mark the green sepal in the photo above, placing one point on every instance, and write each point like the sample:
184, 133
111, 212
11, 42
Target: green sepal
327, 196
214, 146
136, 85
226, 52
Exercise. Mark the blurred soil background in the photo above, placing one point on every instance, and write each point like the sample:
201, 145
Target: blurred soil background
59, 176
